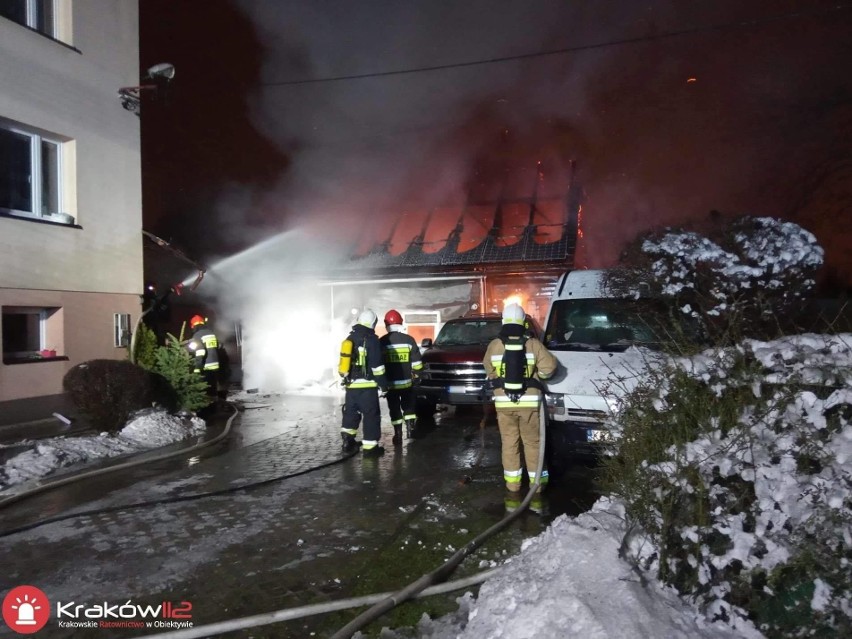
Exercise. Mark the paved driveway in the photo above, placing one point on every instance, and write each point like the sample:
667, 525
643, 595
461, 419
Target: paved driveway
294, 522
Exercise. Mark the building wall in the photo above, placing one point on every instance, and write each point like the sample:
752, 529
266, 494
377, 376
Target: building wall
86, 333
92, 268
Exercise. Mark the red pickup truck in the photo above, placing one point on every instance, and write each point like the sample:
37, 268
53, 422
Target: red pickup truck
453, 373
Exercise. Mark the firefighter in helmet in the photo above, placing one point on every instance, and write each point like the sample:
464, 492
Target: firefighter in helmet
363, 380
517, 361
204, 347
402, 364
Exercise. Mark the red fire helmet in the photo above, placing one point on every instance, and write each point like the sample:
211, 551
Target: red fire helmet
393, 317
195, 321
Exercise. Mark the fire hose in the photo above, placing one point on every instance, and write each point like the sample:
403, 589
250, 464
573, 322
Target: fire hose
176, 288
180, 255
428, 584
442, 572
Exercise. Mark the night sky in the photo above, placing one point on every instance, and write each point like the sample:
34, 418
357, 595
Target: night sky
669, 109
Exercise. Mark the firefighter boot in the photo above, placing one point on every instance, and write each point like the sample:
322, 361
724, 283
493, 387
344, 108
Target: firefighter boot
374, 451
349, 443
397, 434
411, 428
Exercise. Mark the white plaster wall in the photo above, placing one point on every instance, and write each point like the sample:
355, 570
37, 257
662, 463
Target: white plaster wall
72, 92
94, 271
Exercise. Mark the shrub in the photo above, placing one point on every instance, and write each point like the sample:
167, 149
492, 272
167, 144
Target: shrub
107, 391
176, 365
733, 468
146, 348
736, 282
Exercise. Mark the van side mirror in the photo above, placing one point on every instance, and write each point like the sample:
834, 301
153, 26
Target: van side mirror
426, 343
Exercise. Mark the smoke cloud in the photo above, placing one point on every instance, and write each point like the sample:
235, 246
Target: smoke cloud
748, 119
663, 131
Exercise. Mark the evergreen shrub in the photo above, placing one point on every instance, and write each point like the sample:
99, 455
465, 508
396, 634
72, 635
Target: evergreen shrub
176, 365
146, 347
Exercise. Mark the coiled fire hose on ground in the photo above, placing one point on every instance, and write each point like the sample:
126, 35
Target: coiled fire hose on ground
384, 602
123, 466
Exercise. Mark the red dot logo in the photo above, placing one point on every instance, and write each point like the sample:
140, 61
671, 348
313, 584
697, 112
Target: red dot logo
26, 609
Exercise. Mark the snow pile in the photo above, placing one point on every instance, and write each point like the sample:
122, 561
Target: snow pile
570, 582
147, 429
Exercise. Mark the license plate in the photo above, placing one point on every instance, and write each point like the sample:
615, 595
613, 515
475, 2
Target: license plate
596, 435
462, 390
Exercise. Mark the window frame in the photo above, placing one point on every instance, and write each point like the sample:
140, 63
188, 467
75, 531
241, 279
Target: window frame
49, 323
38, 140
122, 331
34, 10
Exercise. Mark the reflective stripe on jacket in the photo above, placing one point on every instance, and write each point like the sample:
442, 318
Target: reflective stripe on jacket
541, 364
368, 356
401, 356
204, 346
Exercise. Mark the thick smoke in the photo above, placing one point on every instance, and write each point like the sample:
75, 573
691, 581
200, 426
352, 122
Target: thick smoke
663, 131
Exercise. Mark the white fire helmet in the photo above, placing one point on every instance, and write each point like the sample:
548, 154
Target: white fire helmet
514, 314
368, 318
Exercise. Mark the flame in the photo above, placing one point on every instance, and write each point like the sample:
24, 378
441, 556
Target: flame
514, 299
580, 222
688, 80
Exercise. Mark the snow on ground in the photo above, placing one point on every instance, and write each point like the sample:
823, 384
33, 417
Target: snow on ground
148, 429
568, 581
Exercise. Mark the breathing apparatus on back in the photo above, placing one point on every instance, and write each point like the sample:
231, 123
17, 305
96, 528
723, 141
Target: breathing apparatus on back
513, 368
353, 359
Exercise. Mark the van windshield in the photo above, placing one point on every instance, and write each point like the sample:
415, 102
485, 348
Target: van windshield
608, 325
468, 333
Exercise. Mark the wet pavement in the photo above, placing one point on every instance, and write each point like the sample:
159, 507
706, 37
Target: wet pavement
277, 517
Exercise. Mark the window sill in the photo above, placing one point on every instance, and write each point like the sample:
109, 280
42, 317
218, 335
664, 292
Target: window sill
33, 359
37, 220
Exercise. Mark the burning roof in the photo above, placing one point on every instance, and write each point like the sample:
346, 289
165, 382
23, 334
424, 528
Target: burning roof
526, 217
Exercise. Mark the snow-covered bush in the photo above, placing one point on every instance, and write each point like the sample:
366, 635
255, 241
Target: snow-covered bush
736, 470
737, 282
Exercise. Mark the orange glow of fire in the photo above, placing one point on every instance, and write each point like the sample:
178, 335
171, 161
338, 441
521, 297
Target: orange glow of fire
691, 80
580, 222
514, 299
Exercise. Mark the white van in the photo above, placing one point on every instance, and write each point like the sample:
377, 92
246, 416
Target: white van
598, 338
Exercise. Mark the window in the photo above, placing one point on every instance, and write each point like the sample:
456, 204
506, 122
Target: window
36, 14
27, 331
30, 173
121, 330
610, 325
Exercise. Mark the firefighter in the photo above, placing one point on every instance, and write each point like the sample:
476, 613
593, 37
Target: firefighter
402, 364
363, 380
156, 307
204, 347
516, 361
